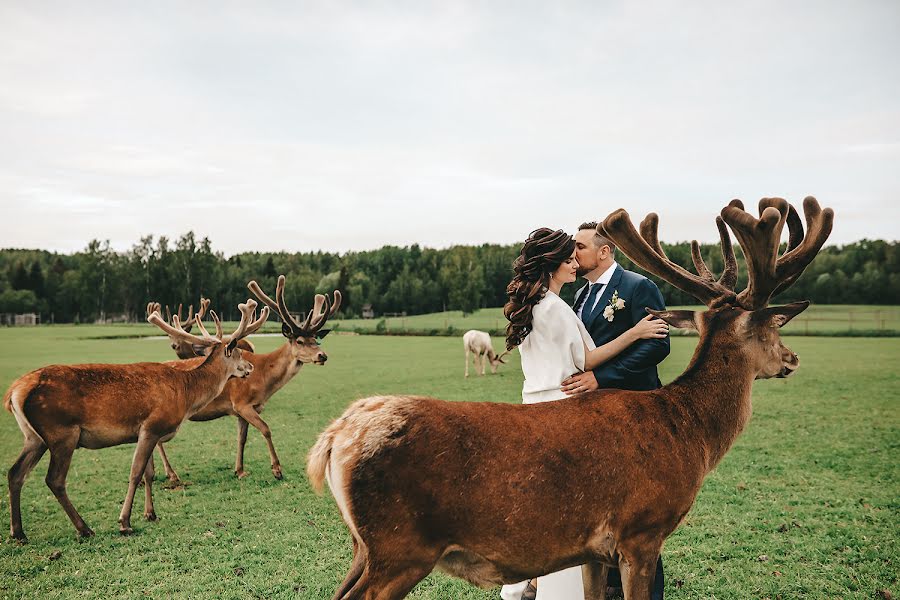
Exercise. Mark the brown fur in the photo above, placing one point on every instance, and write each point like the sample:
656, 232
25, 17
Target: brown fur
427, 467
498, 493
99, 405
246, 398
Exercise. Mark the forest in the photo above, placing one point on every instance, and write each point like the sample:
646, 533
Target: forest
101, 284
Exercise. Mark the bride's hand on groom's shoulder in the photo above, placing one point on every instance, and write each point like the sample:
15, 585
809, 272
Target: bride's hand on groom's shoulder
580, 383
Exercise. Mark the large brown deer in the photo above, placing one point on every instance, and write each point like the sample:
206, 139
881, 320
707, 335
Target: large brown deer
64, 407
596, 480
246, 398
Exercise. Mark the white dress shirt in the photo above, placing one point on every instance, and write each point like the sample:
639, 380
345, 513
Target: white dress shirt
602, 281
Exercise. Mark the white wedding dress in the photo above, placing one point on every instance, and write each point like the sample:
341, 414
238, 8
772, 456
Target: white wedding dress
552, 351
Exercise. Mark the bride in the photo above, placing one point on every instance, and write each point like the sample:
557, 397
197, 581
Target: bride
554, 345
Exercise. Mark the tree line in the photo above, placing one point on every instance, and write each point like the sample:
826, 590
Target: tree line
99, 283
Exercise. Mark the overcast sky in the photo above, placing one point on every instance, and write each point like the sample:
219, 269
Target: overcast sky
344, 126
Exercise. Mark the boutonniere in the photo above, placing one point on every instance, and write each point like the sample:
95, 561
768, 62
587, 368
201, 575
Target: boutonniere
615, 303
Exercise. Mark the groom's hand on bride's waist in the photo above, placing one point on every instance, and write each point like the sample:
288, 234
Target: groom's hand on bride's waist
579, 383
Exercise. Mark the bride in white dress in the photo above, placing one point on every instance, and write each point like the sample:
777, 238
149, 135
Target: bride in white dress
554, 345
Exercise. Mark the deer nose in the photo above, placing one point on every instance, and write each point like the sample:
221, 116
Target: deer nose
321, 357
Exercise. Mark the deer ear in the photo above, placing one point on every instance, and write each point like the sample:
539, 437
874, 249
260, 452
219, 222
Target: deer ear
286, 331
680, 319
200, 350
779, 316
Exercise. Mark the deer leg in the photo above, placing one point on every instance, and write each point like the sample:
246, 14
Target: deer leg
481, 363
353, 575
467, 362
60, 461
149, 474
593, 578
638, 575
252, 417
32, 452
171, 475
142, 453
241, 442
396, 583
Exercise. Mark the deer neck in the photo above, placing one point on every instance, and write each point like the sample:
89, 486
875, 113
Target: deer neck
278, 367
206, 381
715, 391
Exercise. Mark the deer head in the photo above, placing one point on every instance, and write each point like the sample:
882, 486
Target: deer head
303, 337
749, 325
496, 360
206, 344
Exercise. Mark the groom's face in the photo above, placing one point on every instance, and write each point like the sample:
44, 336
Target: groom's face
586, 251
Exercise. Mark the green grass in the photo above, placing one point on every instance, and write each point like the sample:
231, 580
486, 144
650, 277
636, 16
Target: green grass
824, 319
812, 484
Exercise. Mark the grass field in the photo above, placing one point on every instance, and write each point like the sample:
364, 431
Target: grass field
806, 505
825, 319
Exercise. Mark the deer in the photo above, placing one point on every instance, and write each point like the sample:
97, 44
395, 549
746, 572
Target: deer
479, 344
423, 483
64, 407
246, 398
183, 348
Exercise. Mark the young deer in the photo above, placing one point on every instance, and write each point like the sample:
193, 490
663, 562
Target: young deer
246, 398
64, 407
479, 344
422, 482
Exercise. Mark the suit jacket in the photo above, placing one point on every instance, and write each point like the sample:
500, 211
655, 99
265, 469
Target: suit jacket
635, 367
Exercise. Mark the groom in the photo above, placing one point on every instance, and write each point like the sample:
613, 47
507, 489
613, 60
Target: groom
611, 303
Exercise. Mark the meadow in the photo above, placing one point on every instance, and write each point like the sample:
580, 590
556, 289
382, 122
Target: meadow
806, 504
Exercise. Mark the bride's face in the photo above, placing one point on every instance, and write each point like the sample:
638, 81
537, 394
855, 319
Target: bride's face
565, 273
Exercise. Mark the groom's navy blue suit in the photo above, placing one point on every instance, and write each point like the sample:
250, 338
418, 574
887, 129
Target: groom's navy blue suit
635, 367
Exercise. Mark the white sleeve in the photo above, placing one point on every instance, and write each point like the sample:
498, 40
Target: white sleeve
568, 334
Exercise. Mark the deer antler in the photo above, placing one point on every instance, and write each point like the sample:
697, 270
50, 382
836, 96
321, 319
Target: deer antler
760, 238
314, 320
153, 307
194, 318
177, 332
645, 250
248, 325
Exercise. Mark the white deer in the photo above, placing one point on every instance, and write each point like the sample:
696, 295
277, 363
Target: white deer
479, 343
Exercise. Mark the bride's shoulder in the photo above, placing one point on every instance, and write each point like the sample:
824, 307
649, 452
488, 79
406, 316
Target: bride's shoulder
551, 304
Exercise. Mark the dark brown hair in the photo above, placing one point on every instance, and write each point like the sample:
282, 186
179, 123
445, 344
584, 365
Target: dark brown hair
543, 252
599, 238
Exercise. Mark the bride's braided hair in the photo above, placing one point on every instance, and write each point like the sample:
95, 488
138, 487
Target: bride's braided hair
543, 252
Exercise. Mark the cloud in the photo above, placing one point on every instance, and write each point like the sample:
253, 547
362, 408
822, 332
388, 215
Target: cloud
346, 126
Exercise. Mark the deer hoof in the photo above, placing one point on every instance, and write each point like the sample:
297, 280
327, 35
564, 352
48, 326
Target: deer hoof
125, 530
86, 532
241, 474
151, 516
20, 538
276, 471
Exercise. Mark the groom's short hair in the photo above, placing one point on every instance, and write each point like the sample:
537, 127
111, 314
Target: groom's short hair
599, 240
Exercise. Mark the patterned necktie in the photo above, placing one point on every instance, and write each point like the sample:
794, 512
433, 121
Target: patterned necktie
587, 300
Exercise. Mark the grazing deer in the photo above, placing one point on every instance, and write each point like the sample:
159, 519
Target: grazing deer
246, 398
424, 483
183, 348
64, 407
479, 343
